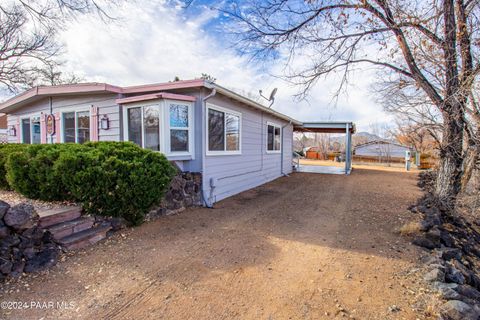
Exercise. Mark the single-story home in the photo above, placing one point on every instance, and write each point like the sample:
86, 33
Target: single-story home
381, 148
236, 143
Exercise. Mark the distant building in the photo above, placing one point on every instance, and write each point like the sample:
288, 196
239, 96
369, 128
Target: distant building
381, 149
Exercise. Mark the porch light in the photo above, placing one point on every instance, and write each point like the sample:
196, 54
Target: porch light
104, 123
12, 131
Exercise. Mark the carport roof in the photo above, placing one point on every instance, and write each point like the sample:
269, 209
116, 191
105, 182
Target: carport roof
326, 127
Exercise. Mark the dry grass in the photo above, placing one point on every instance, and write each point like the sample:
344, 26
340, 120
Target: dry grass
410, 228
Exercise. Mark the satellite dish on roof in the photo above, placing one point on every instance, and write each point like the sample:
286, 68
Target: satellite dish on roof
271, 98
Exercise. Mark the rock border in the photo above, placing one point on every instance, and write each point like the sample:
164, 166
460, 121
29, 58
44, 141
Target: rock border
453, 265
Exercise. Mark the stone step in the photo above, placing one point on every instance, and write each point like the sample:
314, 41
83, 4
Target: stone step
59, 215
63, 229
85, 238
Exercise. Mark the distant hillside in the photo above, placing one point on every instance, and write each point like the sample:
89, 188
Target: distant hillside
357, 138
367, 135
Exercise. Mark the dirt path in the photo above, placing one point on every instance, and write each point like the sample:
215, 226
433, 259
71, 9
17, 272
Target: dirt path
307, 246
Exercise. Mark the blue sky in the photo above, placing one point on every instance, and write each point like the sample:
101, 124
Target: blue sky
154, 41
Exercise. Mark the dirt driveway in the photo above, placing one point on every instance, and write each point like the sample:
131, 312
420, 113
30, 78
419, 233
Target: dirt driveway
308, 246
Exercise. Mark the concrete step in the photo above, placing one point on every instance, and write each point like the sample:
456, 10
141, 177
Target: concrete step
59, 215
63, 229
85, 238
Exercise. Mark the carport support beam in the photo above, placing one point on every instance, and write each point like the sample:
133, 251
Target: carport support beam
348, 150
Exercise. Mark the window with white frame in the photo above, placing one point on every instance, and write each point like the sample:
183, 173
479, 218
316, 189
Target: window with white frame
223, 131
164, 126
31, 130
76, 126
274, 139
179, 127
143, 124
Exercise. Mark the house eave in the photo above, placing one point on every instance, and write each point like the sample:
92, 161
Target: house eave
249, 102
40, 92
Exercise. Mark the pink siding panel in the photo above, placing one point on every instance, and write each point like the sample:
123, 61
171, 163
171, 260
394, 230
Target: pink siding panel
93, 123
43, 129
58, 134
17, 128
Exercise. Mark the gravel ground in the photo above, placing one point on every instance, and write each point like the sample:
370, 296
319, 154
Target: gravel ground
308, 246
13, 198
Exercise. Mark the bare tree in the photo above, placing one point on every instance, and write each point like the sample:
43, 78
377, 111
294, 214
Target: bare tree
301, 141
323, 144
28, 45
431, 44
51, 74
416, 135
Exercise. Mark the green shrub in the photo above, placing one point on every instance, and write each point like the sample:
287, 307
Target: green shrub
5, 151
31, 171
116, 179
107, 178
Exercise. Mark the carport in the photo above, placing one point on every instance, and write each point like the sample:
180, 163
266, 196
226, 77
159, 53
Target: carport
347, 128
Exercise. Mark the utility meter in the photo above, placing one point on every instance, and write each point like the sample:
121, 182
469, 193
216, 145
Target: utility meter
408, 156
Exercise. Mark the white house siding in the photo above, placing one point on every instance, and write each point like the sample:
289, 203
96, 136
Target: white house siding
287, 148
105, 103
254, 166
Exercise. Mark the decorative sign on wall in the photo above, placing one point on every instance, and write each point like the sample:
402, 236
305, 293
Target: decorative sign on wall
50, 123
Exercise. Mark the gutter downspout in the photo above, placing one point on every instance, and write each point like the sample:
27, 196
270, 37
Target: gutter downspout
281, 150
207, 201
51, 112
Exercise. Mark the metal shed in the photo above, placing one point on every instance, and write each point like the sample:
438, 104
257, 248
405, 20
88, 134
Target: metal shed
348, 128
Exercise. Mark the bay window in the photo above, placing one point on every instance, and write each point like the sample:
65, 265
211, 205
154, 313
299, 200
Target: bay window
179, 131
76, 126
151, 127
144, 126
223, 131
135, 125
274, 138
165, 126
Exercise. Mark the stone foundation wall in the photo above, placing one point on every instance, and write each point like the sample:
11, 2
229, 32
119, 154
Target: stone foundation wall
24, 246
184, 192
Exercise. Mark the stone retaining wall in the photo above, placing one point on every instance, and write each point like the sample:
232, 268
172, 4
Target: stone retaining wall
24, 246
184, 192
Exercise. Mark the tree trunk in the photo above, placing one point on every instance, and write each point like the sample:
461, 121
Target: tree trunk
448, 183
469, 163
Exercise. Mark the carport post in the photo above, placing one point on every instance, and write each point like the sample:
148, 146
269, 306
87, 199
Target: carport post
348, 149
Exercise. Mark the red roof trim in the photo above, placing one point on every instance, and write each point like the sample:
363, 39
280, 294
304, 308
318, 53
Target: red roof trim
165, 86
153, 96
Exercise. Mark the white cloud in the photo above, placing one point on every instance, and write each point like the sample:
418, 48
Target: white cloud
153, 42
